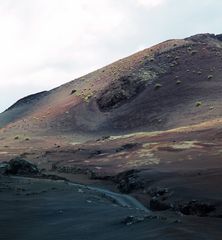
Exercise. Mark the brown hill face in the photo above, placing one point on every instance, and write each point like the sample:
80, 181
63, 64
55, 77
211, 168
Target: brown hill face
173, 84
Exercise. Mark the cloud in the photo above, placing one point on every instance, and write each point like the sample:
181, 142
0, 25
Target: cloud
151, 3
46, 43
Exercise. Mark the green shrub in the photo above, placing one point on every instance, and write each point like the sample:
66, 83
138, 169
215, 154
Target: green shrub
73, 91
157, 86
198, 104
193, 52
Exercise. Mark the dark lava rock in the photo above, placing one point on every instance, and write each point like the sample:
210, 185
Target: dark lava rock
20, 166
158, 204
53, 177
158, 191
129, 220
128, 181
103, 138
126, 88
4, 167
128, 146
95, 153
196, 208
219, 37
73, 91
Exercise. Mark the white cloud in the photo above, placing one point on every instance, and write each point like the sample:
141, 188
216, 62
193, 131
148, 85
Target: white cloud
151, 3
46, 43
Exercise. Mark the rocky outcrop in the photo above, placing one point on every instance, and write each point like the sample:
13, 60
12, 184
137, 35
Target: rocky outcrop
126, 88
196, 208
128, 181
18, 166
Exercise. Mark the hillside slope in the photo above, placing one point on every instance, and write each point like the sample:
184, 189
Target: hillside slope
175, 83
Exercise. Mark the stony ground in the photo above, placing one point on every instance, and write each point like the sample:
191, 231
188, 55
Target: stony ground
50, 210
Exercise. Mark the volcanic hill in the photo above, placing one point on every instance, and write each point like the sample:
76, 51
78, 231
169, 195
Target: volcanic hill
173, 84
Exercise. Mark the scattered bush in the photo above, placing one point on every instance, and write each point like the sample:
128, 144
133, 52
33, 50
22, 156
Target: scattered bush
193, 52
198, 104
73, 91
158, 85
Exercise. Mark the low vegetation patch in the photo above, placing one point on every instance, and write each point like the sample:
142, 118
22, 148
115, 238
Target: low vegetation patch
157, 86
198, 104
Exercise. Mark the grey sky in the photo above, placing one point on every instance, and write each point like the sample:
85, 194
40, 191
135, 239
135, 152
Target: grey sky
46, 43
